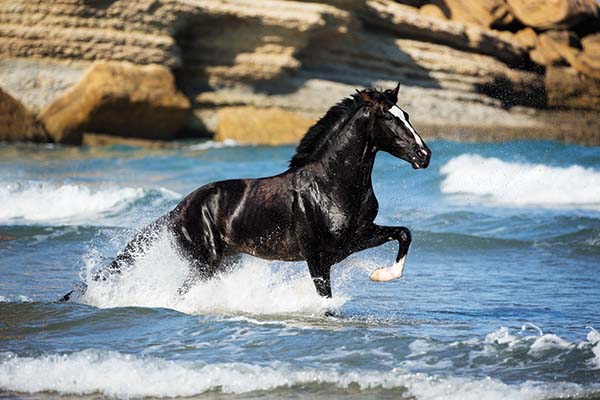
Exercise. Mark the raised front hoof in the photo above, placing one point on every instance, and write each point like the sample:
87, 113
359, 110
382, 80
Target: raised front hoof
388, 274
383, 275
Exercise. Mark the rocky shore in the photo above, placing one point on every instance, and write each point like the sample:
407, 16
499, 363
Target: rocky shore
263, 71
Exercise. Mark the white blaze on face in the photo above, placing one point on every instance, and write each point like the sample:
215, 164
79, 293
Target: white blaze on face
397, 112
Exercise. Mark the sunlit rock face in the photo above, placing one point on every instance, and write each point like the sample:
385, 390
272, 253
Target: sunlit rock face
119, 98
463, 65
17, 124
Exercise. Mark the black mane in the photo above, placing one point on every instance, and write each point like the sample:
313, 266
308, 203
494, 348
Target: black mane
335, 118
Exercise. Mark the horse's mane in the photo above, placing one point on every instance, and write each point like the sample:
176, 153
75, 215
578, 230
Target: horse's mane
336, 117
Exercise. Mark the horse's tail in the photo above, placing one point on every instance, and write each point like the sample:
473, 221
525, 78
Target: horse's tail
126, 258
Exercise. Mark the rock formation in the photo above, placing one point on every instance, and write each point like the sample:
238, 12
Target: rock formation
554, 14
464, 65
272, 126
118, 98
17, 124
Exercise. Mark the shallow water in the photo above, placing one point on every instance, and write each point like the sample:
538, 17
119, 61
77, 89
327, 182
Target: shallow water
500, 298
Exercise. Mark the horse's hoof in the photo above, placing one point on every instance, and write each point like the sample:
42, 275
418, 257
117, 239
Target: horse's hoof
331, 313
387, 274
383, 275
66, 297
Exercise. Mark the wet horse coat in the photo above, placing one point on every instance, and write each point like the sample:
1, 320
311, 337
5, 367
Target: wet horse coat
320, 210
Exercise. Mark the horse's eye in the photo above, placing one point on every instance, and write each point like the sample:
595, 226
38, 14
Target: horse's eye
388, 117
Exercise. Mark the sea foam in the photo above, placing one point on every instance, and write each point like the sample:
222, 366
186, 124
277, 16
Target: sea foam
254, 286
124, 376
212, 144
481, 179
35, 202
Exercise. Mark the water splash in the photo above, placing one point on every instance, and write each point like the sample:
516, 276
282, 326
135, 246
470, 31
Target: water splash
254, 286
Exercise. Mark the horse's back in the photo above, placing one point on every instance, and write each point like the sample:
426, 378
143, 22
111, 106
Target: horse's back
253, 216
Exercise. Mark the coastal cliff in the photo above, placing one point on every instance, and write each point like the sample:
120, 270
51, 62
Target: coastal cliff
263, 71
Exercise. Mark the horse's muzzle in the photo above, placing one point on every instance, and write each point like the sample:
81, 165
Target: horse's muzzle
421, 158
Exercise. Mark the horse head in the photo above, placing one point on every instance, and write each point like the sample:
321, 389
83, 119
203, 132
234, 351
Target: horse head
392, 130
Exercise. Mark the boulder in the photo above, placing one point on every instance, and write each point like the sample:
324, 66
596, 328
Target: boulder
555, 48
527, 38
565, 87
486, 13
563, 48
16, 122
588, 61
269, 126
554, 14
118, 98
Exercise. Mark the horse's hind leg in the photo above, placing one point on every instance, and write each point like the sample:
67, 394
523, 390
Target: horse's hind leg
206, 253
377, 235
134, 248
125, 259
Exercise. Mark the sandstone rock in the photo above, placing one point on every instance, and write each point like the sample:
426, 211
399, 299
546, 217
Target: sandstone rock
38, 82
16, 122
402, 21
120, 99
293, 56
591, 44
554, 14
527, 38
588, 61
98, 139
432, 10
486, 13
139, 31
261, 42
563, 48
567, 88
270, 126
556, 47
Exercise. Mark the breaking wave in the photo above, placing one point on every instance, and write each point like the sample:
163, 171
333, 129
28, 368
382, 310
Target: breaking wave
482, 179
119, 375
35, 202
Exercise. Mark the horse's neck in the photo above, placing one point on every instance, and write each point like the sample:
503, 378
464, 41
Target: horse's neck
350, 157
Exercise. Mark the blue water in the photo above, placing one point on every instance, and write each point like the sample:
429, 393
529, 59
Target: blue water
500, 298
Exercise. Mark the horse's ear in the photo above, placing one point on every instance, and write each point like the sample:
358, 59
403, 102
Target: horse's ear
395, 93
366, 97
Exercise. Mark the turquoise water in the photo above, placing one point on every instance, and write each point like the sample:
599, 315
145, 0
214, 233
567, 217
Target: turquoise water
500, 298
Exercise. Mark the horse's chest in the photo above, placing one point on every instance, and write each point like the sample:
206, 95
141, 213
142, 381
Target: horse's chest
335, 220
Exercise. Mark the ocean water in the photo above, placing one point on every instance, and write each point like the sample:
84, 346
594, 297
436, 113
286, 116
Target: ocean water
500, 298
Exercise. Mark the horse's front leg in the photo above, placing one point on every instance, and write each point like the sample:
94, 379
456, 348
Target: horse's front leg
320, 272
377, 235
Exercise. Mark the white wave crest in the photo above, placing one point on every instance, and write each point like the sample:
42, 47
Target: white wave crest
64, 203
15, 299
254, 286
481, 179
593, 338
126, 376
211, 144
539, 345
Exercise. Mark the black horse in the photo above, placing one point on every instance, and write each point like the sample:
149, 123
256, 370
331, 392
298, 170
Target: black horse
320, 210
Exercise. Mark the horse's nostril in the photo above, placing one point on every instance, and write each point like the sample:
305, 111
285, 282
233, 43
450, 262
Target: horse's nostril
422, 153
